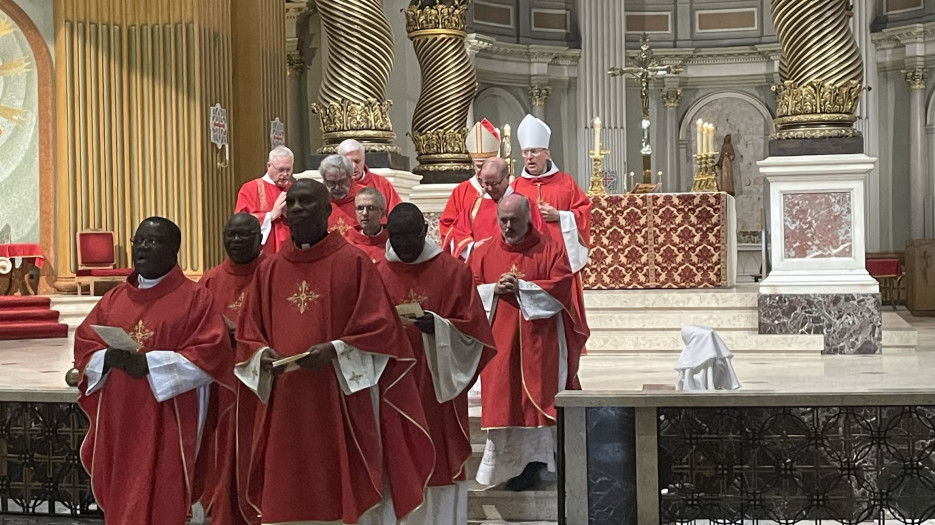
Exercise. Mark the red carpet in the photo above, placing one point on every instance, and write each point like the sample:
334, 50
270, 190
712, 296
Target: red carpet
29, 318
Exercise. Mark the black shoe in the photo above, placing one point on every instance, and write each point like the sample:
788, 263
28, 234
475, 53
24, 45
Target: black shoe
527, 480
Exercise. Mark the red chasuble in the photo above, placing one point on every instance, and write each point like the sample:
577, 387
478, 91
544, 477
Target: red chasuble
560, 191
317, 454
479, 222
382, 185
374, 247
257, 198
343, 212
228, 282
445, 287
140, 452
518, 386
463, 197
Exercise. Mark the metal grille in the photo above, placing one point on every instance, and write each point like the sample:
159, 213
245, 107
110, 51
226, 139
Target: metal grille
40, 471
792, 465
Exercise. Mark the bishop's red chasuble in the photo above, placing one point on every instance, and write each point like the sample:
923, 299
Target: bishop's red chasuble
141, 453
317, 452
462, 197
222, 500
257, 197
445, 287
382, 185
374, 247
519, 385
479, 222
343, 212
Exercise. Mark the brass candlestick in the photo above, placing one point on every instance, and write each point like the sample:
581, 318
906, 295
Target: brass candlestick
597, 182
705, 176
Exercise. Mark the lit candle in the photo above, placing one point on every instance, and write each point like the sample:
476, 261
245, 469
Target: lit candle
698, 136
597, 135
709, 137
631, 179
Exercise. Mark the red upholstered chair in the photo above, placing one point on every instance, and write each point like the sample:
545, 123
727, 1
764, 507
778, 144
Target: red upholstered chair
96, 259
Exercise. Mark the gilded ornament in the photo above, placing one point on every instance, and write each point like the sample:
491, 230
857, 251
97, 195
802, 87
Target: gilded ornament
539, 95
915, 78
295, 64
448, 17
672, 97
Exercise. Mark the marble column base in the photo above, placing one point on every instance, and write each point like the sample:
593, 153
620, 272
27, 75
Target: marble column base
852, 323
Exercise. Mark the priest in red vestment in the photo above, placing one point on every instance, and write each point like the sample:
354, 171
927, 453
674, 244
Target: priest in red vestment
482, 142
526, 285
369, 235
355, 152
564, 206
265, 197
228, 282
340, 428
336, 174
479, 221
150, 385
452, 343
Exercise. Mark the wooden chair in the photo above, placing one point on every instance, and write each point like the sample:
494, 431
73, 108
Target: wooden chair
96, 259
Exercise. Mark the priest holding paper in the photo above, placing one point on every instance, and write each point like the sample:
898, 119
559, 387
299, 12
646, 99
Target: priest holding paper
526, 287
451, 338
228, 282
339, 429
151, 353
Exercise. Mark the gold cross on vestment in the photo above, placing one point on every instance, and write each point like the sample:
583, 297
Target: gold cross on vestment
140, 334
355, 377
341, 226
302, 297
347, 351
413, 297
515, 271
235, 306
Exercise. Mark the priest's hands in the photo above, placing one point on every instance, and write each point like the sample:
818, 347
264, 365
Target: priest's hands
278, 207
266, 361
426, 324
508, 284
548, 212
132, 363
318, 356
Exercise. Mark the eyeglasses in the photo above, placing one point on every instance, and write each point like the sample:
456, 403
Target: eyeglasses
368, 207
143, 241
533, 152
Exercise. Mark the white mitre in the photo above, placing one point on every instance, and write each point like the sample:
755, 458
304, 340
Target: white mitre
533, 133
483, 140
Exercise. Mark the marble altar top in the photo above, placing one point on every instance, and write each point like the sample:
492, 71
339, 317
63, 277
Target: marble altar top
639, 380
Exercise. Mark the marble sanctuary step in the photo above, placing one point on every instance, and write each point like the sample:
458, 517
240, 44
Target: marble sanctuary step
73, 308
506, 505
616, 300
898, 335
742, 341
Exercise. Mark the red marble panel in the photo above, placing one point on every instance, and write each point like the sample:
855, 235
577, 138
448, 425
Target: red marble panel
817, 225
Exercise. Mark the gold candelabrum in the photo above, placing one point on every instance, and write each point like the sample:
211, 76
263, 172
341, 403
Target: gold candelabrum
437, 31
705, 177
597, 168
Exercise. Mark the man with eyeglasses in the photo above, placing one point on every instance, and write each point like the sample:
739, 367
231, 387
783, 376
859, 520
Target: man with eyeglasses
369, 235
479, 221
482, 143
228, 282
337, 176
355, 152
151, 408
265, 198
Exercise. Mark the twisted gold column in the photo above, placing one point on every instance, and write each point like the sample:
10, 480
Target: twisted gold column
448, 87
352, 101
820, 69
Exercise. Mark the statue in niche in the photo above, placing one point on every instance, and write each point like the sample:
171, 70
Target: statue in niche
725, 165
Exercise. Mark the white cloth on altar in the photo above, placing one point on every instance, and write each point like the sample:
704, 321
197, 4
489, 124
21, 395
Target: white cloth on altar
705, 362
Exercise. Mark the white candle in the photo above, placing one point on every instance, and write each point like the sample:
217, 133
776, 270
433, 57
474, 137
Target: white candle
712, 150
597, 135
698, 136
709, 137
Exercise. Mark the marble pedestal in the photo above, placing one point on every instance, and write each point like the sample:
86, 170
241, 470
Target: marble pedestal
431, 199
818, 283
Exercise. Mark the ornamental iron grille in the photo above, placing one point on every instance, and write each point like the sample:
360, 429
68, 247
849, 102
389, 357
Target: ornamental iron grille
40, 470
791, 465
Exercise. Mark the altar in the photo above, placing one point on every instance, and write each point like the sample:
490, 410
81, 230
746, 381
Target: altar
662, 240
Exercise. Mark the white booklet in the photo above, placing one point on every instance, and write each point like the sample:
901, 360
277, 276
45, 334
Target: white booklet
116, 337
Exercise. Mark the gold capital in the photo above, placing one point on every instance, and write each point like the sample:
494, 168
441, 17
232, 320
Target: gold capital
671, 97
539, 95
915, 78
295, 63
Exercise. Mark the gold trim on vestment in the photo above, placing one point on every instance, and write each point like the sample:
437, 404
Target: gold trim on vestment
261, 195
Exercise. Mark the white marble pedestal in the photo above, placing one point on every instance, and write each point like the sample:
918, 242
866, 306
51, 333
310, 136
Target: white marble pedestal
819, 283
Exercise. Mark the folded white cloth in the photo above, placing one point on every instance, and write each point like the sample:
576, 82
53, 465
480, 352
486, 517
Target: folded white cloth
705, 362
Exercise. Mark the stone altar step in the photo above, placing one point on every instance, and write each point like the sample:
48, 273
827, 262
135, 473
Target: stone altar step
898, 335
744, 341
742, 296
505, 505
73, 308
657, 319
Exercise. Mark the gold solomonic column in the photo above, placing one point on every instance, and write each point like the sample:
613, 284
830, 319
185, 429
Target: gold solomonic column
352, 101
437, 31
820, 69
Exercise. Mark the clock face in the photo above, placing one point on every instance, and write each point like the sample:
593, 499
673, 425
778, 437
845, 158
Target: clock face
19, 139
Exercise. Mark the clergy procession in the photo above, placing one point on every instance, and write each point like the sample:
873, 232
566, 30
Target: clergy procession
321, 373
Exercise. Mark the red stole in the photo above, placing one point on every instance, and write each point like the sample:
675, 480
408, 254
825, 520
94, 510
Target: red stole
518, 386
382, 185
343, 212
140, 452
444, 286
257, 198
227, 282
374, 247
316, 452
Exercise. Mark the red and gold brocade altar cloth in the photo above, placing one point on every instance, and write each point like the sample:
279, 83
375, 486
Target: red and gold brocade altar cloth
661, 240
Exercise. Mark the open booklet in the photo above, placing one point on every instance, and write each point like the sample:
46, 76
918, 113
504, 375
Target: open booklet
116, 337
410, 310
